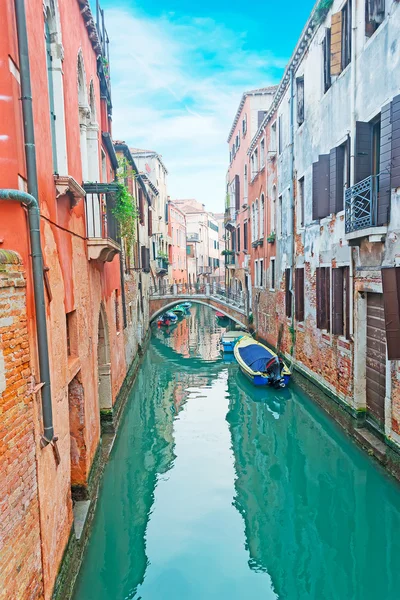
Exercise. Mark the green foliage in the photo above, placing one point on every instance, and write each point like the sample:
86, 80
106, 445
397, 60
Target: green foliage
125, 209
227, 252
322, 10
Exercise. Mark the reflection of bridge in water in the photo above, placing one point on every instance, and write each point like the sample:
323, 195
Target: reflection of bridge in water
233, 305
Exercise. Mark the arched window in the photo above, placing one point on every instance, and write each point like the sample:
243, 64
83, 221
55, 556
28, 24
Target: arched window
262, 216
92, 138
257, 222
273, 210
84, 114
54, 54
253, 223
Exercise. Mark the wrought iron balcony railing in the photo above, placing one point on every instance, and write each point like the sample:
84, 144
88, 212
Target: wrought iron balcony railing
361, 204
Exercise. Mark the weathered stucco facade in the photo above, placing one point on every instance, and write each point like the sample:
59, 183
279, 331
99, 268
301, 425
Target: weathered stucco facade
330, 184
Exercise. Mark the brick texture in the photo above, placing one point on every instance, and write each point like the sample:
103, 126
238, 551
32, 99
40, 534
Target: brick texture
20, 551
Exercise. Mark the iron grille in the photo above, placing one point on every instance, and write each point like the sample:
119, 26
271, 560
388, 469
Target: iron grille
361, 204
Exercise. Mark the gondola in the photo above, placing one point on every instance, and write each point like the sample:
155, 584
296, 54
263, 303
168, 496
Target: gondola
260, 364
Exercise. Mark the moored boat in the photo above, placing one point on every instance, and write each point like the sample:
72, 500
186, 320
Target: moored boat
186, 304
179, 310
229, 339
172, 317
260, 364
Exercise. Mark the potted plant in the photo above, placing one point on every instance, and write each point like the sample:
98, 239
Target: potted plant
271, 237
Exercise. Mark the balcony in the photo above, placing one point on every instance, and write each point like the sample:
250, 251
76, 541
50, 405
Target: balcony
361, 205
204, 270
230, 218
101, 225
161, 266
192, 237
230, 260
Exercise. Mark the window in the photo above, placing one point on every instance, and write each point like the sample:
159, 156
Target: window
346, 34
272, 269
256, 273
341, 301
141, 207
326, 47
244, 125
254, 164
117, 319
261, 276
262, 218
256, 222
374, 15
245, 235
288, 294
272, 144
72, 333
321, 187
246, 186
280, 217
150, 221
280, 134
237, 193
55, 87
391, 300
300, 99
323, 293
300, 202
238, 239
299, 295
273, 210
262, 153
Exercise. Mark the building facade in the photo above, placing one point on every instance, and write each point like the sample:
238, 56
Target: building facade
324, 211
177, 234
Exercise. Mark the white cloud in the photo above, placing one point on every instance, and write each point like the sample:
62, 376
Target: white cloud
176, 87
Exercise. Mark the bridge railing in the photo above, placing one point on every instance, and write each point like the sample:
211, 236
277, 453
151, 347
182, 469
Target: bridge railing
213, 290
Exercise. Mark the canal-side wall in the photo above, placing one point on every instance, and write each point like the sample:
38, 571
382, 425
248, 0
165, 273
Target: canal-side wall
20, 555
80, 532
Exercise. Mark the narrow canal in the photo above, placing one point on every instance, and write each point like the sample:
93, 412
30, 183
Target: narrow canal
215, 490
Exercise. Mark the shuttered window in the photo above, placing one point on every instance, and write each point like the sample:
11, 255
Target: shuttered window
150, 221
237, 192
321, 186
346, 34
326, 46
336, 178
385, 165
288, 296
363, 157
337, 301
336, 44
245, 227
395, 118
299, 295
145, 256
391, 301
323, 291
300, 100
238, 239
141, 207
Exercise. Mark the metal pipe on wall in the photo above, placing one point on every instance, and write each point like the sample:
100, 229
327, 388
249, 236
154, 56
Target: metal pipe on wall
30, 200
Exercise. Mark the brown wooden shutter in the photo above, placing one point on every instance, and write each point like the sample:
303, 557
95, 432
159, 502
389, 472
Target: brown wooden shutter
336, 182
337, 301
288, 299
318, 296
237, 192
315, 179
391, 301
323, 186
245, 236
336, 44
299, 295
145, 255
141, 207
385, 165
395, 183
363, 163
323, 298
327, 299
348, 307
150, 221
326, 47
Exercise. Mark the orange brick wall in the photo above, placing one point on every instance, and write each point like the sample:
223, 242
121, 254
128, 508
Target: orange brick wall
20, 550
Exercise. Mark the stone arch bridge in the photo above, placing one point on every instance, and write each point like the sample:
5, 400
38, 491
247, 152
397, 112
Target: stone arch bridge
234, 306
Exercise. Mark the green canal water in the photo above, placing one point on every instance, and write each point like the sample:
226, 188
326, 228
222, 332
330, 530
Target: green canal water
216, 490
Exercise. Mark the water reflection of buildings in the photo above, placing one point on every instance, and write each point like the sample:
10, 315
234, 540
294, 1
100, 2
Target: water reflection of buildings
314, 518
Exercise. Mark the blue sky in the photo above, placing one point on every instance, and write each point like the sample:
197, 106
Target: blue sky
178, 71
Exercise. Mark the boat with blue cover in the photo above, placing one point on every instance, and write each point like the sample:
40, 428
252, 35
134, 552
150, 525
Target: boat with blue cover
260, 364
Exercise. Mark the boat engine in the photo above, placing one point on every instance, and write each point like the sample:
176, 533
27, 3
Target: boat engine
273, 369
